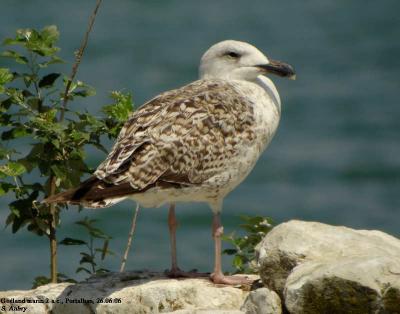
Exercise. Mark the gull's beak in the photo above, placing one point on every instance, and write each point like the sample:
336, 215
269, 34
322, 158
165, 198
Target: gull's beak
279, 68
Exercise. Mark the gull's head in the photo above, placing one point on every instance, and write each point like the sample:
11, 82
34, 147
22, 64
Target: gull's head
231, 59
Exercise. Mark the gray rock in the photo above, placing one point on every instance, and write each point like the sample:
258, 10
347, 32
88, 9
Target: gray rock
317, 268
262, 301
349, 285
131, 292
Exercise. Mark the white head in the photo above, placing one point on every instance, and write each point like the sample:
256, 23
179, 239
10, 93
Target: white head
238, 60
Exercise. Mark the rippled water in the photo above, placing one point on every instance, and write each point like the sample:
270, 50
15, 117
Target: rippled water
335, 158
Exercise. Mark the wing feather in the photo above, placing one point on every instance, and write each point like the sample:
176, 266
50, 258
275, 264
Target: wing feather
184, 137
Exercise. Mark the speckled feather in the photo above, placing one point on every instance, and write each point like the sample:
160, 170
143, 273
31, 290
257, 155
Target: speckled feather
183, 136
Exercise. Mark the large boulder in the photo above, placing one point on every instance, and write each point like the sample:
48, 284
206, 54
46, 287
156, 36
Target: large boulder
129, 292
318, 268
262, 301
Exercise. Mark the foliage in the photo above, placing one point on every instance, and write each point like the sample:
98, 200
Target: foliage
89, 257
243, 246
44, 280
43, 143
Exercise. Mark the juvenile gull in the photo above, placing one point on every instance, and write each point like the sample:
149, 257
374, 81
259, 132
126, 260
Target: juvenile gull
193, 144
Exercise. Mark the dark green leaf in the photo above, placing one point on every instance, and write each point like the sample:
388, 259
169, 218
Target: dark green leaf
40, 281
79, 269
104, 249
71, 241
14, 133
230, 251
102, 271
5, 187
87, 259
48, 80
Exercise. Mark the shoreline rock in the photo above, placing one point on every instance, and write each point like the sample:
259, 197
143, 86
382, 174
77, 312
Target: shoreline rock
131, 292
318, 268
305, 268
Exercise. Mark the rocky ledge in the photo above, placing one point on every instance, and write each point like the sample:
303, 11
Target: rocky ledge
318, 268
305, 267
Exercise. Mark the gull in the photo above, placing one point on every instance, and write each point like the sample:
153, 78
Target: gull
193, 144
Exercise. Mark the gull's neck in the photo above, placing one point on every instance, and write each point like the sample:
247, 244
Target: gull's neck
262, 81
269, 87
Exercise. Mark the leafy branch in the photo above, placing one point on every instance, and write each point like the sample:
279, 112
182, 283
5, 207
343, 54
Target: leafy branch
89, 257
242, 249
41, 154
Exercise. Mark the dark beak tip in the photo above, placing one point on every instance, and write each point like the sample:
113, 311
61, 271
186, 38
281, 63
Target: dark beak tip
279, 68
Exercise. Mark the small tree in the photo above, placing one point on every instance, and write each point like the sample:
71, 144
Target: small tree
43, 142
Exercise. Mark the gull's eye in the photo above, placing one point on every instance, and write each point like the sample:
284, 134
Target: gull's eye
232, 54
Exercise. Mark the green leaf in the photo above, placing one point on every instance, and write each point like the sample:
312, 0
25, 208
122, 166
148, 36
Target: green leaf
121, 108
104, 250
35, 103
79, 136
86, 259
238, 262
5, 187
71, 241
5, 152
40, 281
86, 222
64, 278
15, 55
5, 77
5, 104
10, 219
79, 269
50, 34
12, 169
58, 171
23, 210
39, 42
53, 60
102, 271
42, 225
48, 80
14, 133
230, 251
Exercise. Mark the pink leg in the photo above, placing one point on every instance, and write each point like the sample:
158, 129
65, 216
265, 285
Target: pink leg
218, 276
173, 224
175, 272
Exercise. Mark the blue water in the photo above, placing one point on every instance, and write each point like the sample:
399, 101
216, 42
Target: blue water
335, 158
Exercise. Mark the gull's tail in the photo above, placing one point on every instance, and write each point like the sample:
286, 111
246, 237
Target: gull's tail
93, 193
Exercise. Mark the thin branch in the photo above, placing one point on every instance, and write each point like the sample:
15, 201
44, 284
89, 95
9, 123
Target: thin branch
131, 232
52, 233
53, 208
34, 72
78, 58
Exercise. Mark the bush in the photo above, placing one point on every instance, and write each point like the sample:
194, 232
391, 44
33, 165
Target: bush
43, 141
242, 249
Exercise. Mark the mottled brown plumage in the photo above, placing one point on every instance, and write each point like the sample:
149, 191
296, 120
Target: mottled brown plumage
182, 136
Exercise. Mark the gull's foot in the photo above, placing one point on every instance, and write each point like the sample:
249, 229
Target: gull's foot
230, 280
177, 273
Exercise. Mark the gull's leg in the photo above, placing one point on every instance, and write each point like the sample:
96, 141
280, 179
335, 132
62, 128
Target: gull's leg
218, 276
175, 272
172, 225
